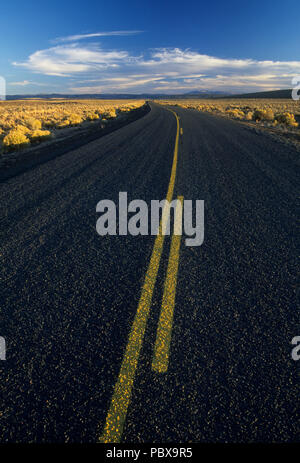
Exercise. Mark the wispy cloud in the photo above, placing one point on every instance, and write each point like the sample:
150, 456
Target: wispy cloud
117, 84
75, 38
95, 69
25, 83
22, 83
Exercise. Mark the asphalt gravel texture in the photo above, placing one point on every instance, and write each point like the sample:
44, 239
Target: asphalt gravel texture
69, 296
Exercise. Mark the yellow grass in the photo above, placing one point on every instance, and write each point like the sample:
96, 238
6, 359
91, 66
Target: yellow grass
25, 121
270, 112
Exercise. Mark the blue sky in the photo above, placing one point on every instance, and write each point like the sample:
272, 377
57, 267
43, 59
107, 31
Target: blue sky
149, 46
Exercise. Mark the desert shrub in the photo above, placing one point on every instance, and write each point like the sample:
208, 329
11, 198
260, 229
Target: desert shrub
39, 135
263, 115
22, 129
287, 119
274, 111
258, 115
33, 124
268, 115
236, 113
74, 119
92, 117
30, 115
63, 124
110, 113
15, 140
49, 123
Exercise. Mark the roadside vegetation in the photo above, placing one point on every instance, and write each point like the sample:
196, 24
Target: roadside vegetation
27, 122
283, 114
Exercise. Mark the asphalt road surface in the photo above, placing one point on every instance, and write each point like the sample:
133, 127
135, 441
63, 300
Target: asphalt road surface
69, 297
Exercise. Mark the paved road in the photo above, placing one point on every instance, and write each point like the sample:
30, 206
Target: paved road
69, 297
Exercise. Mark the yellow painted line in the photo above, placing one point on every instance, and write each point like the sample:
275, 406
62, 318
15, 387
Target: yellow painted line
181, 131
164, 331
116, 416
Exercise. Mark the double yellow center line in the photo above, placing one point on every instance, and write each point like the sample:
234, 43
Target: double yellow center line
116, 415
164, 330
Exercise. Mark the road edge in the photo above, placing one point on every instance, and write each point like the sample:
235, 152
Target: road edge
24, 161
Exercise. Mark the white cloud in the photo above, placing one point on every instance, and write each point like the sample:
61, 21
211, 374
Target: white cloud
65, 60
165, 69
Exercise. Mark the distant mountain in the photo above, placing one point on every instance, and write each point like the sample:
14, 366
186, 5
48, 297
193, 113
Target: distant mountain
87, 96
119, 96
270, 94
205, 92
150, 96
